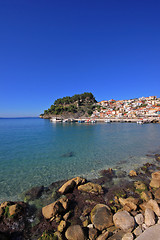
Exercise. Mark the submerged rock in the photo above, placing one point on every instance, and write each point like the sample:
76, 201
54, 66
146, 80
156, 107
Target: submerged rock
34, 193
68, 154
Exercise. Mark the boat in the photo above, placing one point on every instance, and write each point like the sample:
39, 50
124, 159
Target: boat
140, 122
107, 121
80, 121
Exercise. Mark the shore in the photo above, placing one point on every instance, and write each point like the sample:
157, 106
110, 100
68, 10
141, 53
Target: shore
81, 209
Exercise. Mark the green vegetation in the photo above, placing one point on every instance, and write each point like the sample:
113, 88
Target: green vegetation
79, 103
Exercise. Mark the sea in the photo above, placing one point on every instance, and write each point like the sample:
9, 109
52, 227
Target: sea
36, 152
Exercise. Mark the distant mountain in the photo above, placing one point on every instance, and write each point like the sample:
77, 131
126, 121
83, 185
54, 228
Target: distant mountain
79, 105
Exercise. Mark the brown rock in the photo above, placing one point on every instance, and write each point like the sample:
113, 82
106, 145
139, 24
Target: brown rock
64, 201
1, 211
13, 210
61, 226
157, 194
52, 209
132, 173
124, 221
79, 180
67, 187
152, 204
155, 181
74, 232
129, 204
101, 217
92, 234
149, 217
128, 236
146, 196
103, 236
140, 186
137, 231
139, 219
66, 216
91, 188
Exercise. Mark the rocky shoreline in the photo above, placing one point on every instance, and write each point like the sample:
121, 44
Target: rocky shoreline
78, 209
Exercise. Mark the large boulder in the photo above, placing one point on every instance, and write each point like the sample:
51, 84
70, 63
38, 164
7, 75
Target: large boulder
124, 221
152, 204
150, 233
149, 217
70, 184
101, 217
91, 188
52, 209
74, 232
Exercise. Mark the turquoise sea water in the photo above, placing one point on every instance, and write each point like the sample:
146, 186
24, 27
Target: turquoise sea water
35, 151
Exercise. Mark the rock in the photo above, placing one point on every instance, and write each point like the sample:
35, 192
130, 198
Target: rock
129, 204
155, 181
146, 196
67, 215
90, 225
67, 187
1, 211
64, 201
132, 173
34, 193
149, 217
101, 217
140, 186
152, 204
157, 194
157, 157
13, 210
91, 188
144, 227
52, 209
137, 231
124, 221
127, 236
74, 232
5, 204
57, 236
79, 180
151, 233
103, 236
61, 226
117, 236
139, 219
92, 233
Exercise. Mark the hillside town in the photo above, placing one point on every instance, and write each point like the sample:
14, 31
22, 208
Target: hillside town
144, 107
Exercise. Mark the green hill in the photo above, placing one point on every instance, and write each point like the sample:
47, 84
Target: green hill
79, 105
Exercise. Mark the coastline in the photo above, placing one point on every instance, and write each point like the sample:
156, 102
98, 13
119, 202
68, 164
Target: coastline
79, 197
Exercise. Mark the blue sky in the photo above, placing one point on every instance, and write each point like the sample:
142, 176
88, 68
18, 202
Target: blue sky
51, 49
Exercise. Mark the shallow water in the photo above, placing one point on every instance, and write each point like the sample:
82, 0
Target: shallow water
36, 151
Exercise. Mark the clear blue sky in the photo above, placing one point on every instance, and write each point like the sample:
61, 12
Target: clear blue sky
56, 48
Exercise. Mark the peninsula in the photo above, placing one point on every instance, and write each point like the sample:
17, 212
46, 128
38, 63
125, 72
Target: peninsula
83, 106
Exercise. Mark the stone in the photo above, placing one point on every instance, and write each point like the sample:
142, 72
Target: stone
152, 204
155, 181
64, 201
5, 204
92, 234
79, 180
67, 215
140, 186
144, 227
90, 225
91, 188
101, 217
132, 173
127, 236
124, 221
117, 236
103, 236
137, 231
52, 209
146, 196
139, 219
61, 226
74, 232
157, 194
13, 210
67, 187
149, 217
129, 204
151, 233
1, 211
